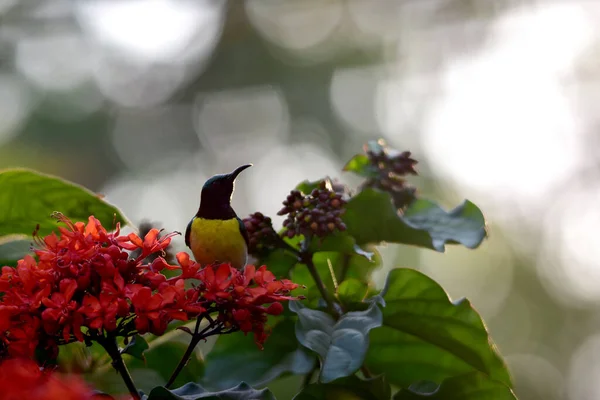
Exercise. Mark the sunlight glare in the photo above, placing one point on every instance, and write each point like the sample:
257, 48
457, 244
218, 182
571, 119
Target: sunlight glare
503, 124
152, 30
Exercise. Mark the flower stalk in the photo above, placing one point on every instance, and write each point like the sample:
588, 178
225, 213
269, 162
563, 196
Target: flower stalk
305, 256
110, 345
197, 336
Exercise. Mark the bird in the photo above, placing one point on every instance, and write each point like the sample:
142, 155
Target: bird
216, 234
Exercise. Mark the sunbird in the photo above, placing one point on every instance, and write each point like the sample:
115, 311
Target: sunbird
216, 234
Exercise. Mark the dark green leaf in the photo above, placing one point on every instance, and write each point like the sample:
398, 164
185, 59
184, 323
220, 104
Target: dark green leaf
360, 165
472, 386
371, 218
28, 198
351, 388
340, 242
352, 290
163, 359
425, 336
236, 357
341, 345
192, 391
12, 251
464, 224
136, 347
280, 262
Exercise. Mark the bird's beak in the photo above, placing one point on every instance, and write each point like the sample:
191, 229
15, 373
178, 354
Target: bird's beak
237, 171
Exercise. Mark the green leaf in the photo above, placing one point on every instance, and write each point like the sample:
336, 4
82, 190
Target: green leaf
341, 345
136, 347
193, 391
28, 198
425, 336
352, 291
371, 218
13, 251
472, 386
360, 165
464, 224
236, 357
341, 242
280, 262
351, 388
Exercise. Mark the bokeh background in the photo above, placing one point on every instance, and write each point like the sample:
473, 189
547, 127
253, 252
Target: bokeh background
142, 100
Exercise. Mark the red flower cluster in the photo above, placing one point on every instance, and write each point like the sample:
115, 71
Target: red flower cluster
23, 379
239, 304
86, 283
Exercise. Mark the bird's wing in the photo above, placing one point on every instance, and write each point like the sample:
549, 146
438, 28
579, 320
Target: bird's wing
243, 231
187, 233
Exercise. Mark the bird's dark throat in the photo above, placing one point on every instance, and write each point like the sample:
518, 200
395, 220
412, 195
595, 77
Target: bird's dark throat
216, 211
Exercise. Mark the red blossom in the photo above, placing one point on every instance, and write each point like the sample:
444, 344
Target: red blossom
245, 298
100, 313
148, 310
23, 379
61, 312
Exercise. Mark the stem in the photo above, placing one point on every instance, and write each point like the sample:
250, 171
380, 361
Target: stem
306, 258
345, 266
366, 372
184, 360
308, 377
110, 345
196, 338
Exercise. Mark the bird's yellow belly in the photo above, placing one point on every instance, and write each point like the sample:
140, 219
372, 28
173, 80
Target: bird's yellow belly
214, 240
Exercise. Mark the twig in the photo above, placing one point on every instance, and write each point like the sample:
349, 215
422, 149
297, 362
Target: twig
365, 371
345, 266
308, 377
184, 360
306, 258
196, 338
110, 345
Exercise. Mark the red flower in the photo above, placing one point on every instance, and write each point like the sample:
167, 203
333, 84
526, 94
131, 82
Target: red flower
151, 243
23, 379
61, 314
19, 333
179, 303
100, 313
148, 310
240, 297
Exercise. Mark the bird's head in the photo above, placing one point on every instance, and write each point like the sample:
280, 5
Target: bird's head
217, 191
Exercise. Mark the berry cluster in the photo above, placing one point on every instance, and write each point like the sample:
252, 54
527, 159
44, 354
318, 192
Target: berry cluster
392, 166
316, 214
261, 235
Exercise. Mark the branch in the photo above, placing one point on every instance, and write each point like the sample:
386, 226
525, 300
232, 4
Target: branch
197, 336
184, 360
306, 258
110, 345
308, 377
